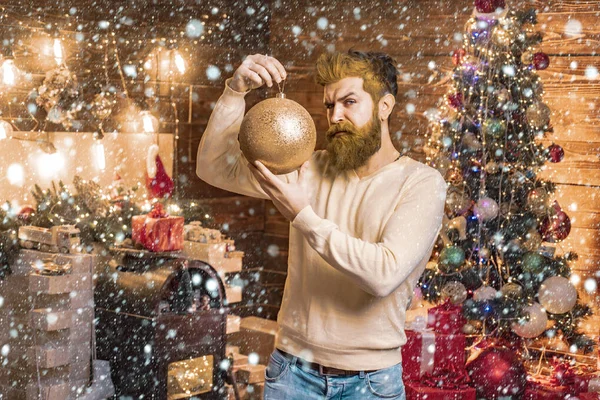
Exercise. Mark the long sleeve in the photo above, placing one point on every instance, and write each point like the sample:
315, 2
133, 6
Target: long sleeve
408, 237
220, 161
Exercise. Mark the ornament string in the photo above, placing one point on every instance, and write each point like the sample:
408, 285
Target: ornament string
281, 86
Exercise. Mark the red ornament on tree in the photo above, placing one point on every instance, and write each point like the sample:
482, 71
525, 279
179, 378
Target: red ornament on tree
555, 153
25, 213
488, 6
557, 226
541, 60
497, 372
455, 100
158, 183
457, 56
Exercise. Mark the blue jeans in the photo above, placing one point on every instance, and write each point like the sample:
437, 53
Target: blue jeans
288, 379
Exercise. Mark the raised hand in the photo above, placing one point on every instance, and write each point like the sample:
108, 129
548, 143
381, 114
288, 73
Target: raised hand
257, 70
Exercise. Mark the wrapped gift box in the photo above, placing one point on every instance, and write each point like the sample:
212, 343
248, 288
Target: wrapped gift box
419, 391
588, 396
157, 231
543, 391
446, 318
587, 383
426, 351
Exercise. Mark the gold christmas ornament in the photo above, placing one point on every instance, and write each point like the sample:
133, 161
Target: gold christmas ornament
538, 114
537, 201
279, 133
455, 292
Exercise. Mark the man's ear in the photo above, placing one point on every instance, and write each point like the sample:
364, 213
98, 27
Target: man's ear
386, 105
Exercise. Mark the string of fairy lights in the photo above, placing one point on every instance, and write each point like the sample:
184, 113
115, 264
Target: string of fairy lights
165, 64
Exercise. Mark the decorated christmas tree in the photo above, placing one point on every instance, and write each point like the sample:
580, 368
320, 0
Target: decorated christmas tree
496, 255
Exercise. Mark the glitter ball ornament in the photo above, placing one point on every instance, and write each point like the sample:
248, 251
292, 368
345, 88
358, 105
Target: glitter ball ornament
489, 6
484, 293
537, 200
455, 292
557, 295
512, 291
494, 127
555, 153
556, 226
457, 56
533, 324
451, 258
486, 209
533, 240
538, 114
279, 133
497, 372
540, 61
533, 262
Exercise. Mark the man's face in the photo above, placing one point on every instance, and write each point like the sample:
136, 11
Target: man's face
354, 133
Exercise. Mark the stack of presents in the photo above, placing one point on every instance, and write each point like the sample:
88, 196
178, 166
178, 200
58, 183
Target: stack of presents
250, 340
435, 358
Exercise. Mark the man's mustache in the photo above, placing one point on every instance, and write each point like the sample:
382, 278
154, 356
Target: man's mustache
345, 127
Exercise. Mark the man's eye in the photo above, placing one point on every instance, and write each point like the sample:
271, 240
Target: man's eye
350, 101
329, 106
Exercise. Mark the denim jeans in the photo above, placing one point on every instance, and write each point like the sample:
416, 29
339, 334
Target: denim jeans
288, 379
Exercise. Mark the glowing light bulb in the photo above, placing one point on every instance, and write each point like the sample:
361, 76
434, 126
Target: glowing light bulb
99, 157
6, 130
58, 51
149, 122
9, 71
49, 165
179, 62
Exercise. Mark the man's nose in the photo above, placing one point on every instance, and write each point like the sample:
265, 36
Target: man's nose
337, 114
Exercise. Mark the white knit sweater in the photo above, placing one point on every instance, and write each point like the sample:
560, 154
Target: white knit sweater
355, 254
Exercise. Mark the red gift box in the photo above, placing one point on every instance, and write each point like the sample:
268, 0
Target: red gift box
588, 396
426, 351
420, 391
446, 318
586, 383
157, 231
547, 391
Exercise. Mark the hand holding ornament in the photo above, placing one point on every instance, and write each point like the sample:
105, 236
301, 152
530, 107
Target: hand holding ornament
289, 198
257, 70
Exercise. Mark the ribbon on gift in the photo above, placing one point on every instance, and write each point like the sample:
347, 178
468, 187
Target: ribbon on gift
563, 373
452, 378
158, 211
427, 343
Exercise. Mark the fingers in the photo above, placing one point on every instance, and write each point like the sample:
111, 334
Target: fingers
268, 68
248, 76
302, 171
263, 73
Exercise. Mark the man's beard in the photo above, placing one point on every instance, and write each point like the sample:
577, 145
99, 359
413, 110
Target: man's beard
355, 146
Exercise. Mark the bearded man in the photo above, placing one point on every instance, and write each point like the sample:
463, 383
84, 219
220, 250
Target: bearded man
363, 218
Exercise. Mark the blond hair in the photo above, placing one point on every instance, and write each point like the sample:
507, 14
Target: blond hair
376, 69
